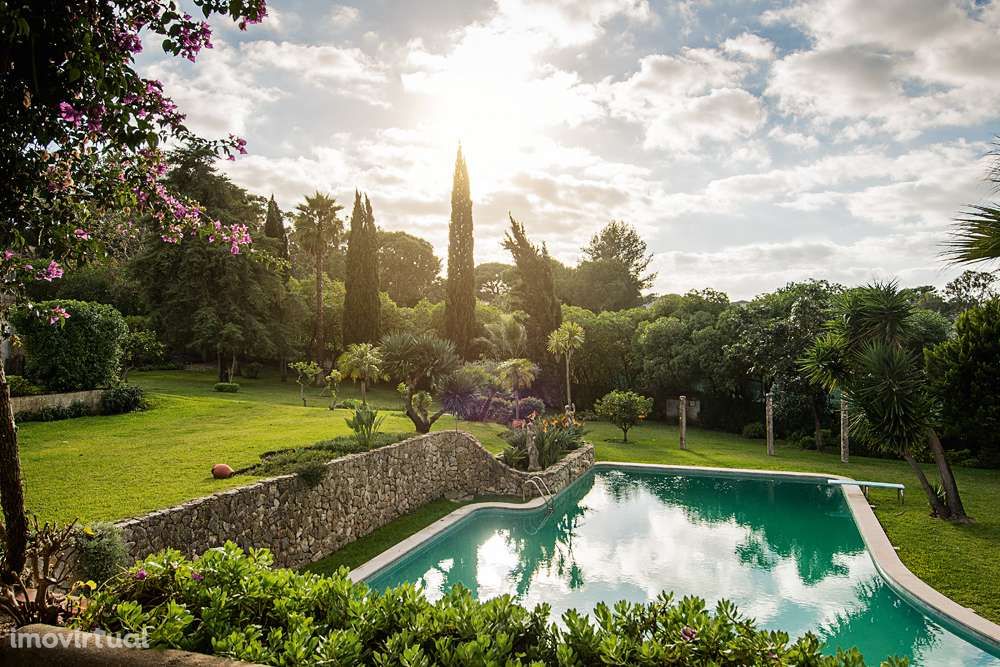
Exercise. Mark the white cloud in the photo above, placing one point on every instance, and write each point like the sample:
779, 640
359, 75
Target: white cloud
750, 46
901, 66
342, 17
682, 100
796, 139
566, 23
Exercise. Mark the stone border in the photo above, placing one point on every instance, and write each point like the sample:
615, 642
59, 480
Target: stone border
33, 403
886, 560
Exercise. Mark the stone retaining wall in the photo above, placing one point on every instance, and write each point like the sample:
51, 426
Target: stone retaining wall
359, 493
92, 399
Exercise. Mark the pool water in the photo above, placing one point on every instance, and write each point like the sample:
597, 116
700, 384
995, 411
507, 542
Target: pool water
786, 552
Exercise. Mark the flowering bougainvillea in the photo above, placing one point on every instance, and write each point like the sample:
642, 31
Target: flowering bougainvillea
81, 160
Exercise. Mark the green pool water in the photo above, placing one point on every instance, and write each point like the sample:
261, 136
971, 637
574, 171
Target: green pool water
787, 552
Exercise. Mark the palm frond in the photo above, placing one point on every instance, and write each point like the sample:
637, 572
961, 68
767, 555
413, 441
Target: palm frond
975, 237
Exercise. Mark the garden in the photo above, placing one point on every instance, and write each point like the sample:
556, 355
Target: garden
175, 346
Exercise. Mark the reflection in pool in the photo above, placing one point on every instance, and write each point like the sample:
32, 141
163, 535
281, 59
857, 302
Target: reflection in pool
787, 553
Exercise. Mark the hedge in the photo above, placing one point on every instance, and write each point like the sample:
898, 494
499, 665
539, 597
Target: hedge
83, 352
233, 604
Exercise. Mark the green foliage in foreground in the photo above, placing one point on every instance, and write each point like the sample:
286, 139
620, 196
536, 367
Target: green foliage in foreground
233, 604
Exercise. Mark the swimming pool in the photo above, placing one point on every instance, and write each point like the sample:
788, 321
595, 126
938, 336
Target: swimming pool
787, 552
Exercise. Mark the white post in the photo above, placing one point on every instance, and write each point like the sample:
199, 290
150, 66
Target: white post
769, 417
845, 427
682, 407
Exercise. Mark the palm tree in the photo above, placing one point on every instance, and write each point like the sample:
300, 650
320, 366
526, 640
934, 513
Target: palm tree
317, 231
871, 352
517, 374
503, 339
562, 343
422, 363
361, 362
976, 237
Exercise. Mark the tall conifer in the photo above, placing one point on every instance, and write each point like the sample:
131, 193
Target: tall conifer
274, 226
460, 303
362, 320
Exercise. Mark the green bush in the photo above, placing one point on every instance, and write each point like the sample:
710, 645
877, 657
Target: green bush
123, 398
235, 605
227, 387
83, 352
311, 472
252, 370
754, 431
349, 404
102, 553
53, 413
553, 437
19, 386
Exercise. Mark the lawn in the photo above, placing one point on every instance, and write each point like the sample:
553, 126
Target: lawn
101, 468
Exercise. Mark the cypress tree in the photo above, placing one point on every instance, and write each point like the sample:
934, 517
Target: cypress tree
274, 227
460, 302
362, 320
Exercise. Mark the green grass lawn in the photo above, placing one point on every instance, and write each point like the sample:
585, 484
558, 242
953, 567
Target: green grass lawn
103, 468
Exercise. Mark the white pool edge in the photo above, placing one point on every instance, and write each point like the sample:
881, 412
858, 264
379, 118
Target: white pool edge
884, 555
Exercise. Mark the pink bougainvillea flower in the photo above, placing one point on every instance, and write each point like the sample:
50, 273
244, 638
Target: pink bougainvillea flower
140, 575
57, 314
81, 234
51, 272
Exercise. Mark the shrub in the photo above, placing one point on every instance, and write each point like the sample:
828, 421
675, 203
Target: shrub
289, 461
552, 437
624, 409
84, 352
101, 552
754, 431
252, 370
365, 424
52, 413
349, 404
235, 605
311, 472
19, 386
123, 398
529, 405
227, 387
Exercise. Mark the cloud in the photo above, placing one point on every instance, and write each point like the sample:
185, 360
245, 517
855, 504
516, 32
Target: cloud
749, 46
682, 100
342, 17
565, 23
796, 139
900, 67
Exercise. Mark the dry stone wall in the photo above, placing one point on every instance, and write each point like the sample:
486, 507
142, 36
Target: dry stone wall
358, 493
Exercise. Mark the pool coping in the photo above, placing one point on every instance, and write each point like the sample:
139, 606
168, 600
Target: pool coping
884, 555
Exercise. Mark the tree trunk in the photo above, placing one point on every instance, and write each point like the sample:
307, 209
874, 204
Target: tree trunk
364, 392
939, 509
485, 412
232, 369
955, 506
284, 367
318, 329
624, 435
15, 522
817, 427
218, 363
569, 397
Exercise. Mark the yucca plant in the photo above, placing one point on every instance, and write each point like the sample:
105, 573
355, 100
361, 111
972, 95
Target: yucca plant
870, 352
976, 234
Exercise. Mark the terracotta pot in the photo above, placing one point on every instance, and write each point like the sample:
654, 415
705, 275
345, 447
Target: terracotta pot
221, 471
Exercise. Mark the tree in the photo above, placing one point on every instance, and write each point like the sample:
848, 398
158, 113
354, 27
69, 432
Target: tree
972, 288
422, 363
274, 227
517, 375
620, 242
624, 409
80, 161
362, 310
503, 339
964, 374
868, 352
317, 230
599, 285
306, 373
407, 267
460, 303
492, 281
563, 342
534, 293
139, 346
361, 362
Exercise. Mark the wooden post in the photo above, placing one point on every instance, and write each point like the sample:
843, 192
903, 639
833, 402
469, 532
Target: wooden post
845, 427
769, 418
682, 408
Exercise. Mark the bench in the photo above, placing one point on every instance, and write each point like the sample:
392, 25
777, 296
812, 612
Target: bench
867, 485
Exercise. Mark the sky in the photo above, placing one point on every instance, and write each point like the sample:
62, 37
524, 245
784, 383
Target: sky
750, 143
